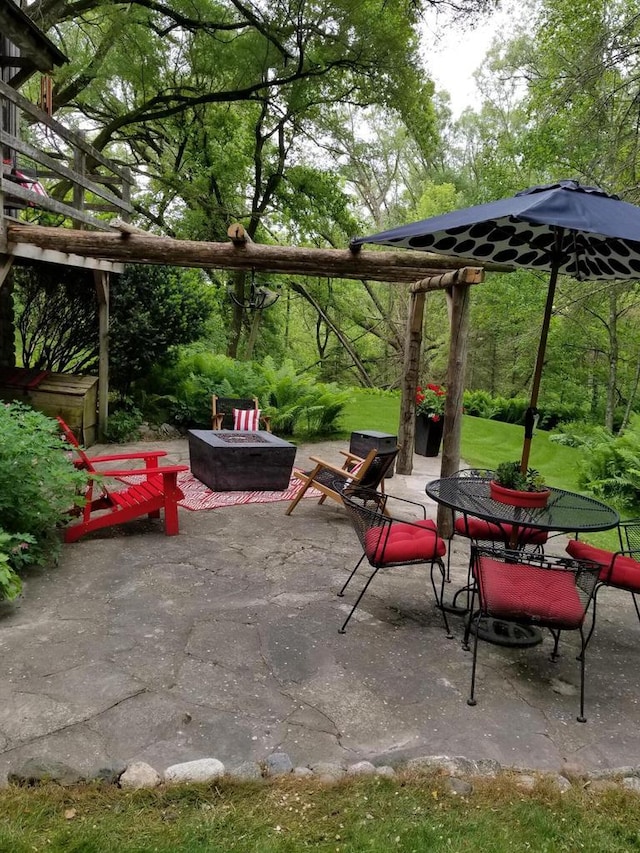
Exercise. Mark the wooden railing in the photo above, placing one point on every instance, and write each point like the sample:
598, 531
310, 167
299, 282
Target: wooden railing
78, 179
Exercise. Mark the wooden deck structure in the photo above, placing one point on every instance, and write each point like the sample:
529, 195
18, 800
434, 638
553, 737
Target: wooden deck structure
91, 193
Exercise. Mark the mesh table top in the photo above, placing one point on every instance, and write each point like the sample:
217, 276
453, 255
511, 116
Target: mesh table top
565, 511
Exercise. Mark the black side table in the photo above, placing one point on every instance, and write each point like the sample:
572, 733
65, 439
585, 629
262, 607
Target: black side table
363, 441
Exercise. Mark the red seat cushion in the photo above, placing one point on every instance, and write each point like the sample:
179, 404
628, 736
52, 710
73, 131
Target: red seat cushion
478, 528
513, 590
402, 543
625, 572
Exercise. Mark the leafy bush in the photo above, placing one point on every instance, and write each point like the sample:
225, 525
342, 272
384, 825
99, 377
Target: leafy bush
38, 485
580, 434
479, 403
512, 410
123, 423
153, 310
182, 393
612, 469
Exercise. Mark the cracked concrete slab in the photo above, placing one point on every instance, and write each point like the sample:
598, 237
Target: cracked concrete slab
223, 642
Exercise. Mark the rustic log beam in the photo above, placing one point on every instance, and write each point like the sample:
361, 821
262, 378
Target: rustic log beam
398, 266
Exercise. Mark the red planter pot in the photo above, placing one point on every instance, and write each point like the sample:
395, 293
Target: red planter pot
515, 497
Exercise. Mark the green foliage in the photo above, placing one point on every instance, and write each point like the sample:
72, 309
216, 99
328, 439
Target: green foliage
38, 485
611, 469
480, 404
182, 393
581, 434
13, 556
153, 309
512, 410
299, 403
510, 475
123, 424
56, 318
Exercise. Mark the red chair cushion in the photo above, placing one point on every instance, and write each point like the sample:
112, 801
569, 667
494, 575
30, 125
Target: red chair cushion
403, 543
486, 531
513, 590
625, 572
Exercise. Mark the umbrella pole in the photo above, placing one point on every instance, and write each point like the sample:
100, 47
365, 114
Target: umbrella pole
535, 385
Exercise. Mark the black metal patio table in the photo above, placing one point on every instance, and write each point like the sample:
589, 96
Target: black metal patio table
565, 512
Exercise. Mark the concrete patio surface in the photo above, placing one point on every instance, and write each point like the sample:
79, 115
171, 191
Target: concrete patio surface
223, 642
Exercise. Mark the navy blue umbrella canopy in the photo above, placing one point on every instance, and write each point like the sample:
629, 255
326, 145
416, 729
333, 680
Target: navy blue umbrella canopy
563, 228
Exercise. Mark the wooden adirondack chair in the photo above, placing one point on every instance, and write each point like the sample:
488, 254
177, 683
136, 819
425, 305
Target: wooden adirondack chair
222, 413
158, 490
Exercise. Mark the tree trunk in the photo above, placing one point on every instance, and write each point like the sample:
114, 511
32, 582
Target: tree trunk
459, 312
366, 379
613, 358
413, 344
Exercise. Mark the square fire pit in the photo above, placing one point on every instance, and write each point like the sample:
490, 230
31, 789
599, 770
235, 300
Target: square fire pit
235, 460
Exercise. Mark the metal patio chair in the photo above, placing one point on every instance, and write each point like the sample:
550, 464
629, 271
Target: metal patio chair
618, 569
390, 541
529, 589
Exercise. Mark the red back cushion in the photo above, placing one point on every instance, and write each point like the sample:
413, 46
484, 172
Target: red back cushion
624, 573
247, 419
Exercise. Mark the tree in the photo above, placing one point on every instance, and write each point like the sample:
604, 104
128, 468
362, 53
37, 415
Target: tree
153, 310
56, 313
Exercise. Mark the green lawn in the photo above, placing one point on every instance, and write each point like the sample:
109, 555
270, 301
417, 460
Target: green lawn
408, 815
484, 443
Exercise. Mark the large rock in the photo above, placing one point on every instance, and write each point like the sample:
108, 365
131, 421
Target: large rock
139, 774
202, 770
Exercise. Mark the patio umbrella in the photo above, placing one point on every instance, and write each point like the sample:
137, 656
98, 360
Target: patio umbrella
563, 228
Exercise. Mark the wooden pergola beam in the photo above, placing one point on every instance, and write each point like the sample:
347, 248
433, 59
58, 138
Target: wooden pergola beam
132, 247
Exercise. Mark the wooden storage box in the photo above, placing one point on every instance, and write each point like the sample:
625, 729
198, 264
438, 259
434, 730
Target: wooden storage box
74, 398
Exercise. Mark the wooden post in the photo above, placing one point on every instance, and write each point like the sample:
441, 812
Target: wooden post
459, 296
413, 344
80, 167
101, 280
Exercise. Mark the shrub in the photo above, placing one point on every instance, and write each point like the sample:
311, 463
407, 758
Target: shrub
182, 393
612, 468
479, 404
123, 424
38, 485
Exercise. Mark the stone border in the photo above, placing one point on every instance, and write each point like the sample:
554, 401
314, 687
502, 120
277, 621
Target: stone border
459, 772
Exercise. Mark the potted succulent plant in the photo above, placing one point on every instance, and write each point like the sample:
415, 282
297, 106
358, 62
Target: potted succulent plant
513, 486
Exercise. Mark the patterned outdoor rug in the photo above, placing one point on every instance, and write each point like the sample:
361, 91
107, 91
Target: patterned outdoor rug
198, 496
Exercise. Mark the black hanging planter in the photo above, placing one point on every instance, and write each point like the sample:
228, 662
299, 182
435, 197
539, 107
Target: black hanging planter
428, 436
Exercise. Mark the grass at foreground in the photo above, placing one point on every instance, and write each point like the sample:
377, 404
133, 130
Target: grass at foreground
373, 815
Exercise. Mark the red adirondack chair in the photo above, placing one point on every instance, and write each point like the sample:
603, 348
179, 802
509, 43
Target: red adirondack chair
157, 490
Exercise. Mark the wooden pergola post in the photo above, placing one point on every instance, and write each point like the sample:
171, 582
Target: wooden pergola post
459, 303
457, 285
412, 347
101, 280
